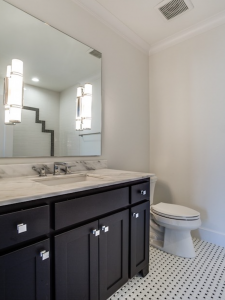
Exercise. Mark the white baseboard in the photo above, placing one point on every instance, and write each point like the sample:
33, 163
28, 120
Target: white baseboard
210, 236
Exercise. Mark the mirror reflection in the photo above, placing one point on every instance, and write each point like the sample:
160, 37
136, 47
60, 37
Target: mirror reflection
50, 90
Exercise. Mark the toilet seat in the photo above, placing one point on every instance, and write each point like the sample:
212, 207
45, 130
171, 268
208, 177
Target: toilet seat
178, 224
175, 212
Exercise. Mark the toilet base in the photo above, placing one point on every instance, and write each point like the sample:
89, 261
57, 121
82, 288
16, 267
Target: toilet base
176, 242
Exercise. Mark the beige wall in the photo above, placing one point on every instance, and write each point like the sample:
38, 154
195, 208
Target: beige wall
187, 128
125, 83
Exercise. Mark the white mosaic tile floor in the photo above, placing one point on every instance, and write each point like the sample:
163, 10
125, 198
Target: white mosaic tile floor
175, 278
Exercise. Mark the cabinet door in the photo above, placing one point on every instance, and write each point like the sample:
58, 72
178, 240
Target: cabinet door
139, 239
113, 253
25, 275
76, 264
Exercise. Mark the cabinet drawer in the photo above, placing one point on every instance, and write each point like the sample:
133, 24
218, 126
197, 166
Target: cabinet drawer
35, 220
140, 192
80, 209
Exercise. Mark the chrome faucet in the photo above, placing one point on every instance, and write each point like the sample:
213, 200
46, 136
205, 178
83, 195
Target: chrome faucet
58, 166
62, 166
41, 171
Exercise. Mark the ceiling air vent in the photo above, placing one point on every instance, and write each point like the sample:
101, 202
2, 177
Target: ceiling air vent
96, 53
173, 8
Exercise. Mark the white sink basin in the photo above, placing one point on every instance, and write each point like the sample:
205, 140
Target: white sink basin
66, 179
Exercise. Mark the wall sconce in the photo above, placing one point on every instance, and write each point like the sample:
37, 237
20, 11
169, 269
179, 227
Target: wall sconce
7, 122
13, 92
83, 107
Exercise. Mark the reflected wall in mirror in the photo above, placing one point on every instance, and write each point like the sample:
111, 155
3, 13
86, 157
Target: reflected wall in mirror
61, 109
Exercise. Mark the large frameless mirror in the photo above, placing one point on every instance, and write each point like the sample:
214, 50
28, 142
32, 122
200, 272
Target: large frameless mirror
50, 90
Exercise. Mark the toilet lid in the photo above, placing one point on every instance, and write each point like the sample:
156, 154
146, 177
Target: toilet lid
175, 211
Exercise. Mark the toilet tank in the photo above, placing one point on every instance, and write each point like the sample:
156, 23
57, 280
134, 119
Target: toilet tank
153, 180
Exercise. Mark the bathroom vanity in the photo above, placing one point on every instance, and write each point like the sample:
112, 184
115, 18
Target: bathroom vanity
77, 236
73, 241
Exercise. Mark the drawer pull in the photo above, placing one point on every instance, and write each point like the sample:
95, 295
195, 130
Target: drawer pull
96, 232
143, 192
44, 254
21, 228
105, 228
136, 215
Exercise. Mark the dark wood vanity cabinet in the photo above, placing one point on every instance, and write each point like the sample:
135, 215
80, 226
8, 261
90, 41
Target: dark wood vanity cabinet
90, 244
76, 264
139, 239
113, 253
91, 262
24, 274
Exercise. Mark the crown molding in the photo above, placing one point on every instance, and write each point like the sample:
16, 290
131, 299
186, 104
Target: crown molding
199, 28
104, 16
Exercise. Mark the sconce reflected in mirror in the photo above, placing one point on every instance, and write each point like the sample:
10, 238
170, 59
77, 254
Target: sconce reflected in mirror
49, 117
83, 107
13, 92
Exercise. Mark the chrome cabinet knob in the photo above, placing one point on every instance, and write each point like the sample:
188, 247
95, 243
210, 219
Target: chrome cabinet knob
44, 254
105, 228
96, 232
136, 215
21, 228
143, 192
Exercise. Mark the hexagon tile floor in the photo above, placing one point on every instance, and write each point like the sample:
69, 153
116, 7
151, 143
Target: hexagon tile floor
176, 278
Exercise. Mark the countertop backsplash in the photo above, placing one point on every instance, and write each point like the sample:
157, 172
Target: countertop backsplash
19, 170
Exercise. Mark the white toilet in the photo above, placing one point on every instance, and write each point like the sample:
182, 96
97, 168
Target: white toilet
176, 222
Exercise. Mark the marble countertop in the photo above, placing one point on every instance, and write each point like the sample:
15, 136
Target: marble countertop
26, 188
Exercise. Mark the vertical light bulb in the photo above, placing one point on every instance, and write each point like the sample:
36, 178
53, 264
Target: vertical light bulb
7, 115
79, 91
15, 114
83, 107
8, 71
16, 90
17, 66
86, 106
88, 89
13, 94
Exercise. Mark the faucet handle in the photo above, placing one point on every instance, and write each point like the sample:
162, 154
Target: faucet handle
69, 171
69, 167
40, 171
63, 166
47, 169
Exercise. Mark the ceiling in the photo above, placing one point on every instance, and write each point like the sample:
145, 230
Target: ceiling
144, 20
58, 60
